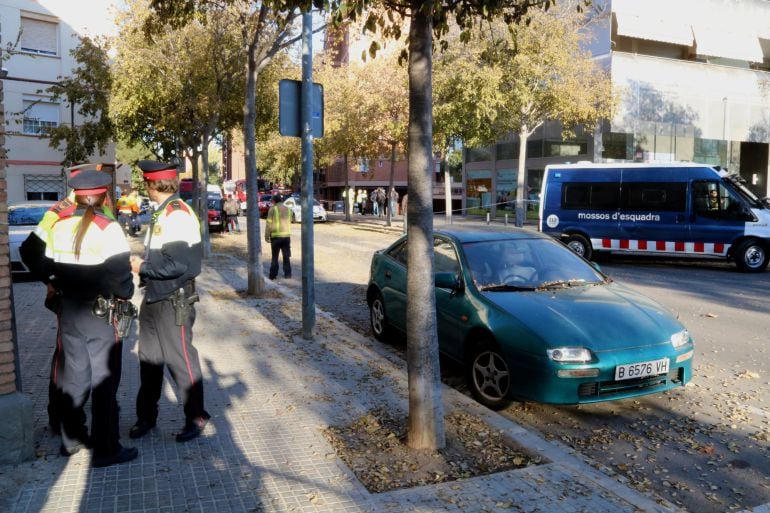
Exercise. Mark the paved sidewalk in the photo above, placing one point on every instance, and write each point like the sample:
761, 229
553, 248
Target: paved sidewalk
271, 393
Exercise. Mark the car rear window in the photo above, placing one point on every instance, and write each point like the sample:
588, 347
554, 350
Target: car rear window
24, 216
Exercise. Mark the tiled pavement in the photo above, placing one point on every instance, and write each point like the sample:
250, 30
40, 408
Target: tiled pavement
270, 393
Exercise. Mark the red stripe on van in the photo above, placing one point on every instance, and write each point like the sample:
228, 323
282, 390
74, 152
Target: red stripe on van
699, 247
719, 248
623, 243
678, 246
642, 244
660, 245
606, 243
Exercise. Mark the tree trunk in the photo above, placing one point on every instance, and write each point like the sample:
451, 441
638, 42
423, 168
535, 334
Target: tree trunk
521, 178
196, 190
348, 200
204, 220
426, 422
256, 281
391, 187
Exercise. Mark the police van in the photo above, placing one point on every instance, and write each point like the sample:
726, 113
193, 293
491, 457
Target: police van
657, 209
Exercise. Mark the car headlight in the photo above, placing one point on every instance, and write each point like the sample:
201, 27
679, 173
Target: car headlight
569, 354
680, 338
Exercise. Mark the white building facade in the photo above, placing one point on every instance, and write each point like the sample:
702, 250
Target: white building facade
41, 57
694, 82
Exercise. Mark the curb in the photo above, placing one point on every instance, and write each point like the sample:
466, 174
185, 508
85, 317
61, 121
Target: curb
558, 455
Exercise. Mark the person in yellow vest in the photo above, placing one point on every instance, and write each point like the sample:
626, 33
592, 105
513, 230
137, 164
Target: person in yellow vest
36, 244
128, 209
86, 256
278, 234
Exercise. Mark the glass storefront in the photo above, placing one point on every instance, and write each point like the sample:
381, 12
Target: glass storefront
506, 191
479, 191
663, 142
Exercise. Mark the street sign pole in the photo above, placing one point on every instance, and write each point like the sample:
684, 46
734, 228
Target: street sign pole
306, 100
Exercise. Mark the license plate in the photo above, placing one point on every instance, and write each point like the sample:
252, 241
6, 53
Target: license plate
641, 369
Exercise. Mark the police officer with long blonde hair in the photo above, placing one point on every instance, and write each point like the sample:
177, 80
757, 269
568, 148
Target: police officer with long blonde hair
87, 257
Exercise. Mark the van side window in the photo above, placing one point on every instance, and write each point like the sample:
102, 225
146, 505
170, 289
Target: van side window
592, 196
712, 199
654, 197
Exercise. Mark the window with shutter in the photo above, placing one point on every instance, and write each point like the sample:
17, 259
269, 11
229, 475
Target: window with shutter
38, 115
38, 36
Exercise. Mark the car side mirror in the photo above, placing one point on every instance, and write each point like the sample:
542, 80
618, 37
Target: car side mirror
448, 281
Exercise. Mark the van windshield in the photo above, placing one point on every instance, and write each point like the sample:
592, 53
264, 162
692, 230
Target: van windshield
741, 187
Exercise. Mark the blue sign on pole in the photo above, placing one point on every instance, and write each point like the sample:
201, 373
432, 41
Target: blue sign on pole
289, 112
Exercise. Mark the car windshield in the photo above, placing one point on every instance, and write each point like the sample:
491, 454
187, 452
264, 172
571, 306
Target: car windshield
527, 264
27, 215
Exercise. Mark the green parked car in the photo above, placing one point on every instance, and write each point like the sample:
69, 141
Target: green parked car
530, 319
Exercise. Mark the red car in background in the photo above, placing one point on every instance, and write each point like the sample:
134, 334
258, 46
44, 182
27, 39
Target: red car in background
213, 204
265, 200
264, 195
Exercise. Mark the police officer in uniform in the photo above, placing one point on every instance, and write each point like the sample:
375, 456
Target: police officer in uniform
278, 234
34, 245
87, 257
172, 260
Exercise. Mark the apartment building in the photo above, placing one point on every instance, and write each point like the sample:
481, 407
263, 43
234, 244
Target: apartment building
40, 58
694, 82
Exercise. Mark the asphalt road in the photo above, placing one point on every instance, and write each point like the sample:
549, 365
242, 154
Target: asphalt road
704, 447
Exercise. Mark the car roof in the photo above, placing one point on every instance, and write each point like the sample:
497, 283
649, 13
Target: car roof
31, 203
465, 234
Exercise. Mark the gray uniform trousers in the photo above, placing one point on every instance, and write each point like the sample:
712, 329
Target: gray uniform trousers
161, 342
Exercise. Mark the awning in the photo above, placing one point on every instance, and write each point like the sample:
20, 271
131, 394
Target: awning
718, 43
653, 28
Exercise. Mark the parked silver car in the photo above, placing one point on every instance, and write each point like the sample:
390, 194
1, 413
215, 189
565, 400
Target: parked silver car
295, 206
23, 216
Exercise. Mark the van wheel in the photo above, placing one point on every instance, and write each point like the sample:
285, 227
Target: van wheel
579, 245
751, 256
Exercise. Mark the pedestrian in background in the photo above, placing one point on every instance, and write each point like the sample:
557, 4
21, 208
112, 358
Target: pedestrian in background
361, 200
34, 245
86, 258
403, 208
173, 254
128, 209
393, 202
380, 199
278, 234
231, 208
375, 203
350, 196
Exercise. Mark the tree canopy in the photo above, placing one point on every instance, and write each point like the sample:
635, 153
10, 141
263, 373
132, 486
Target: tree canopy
87, 91
514, 78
